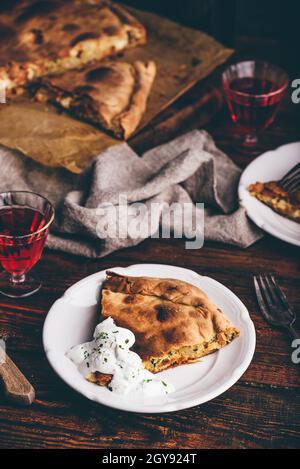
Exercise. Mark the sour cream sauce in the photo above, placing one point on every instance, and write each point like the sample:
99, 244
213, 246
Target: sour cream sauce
109, 353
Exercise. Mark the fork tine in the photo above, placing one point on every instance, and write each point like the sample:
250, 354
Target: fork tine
260, 299
291, 183
270, 286
282, 297
291, 173
265, 291
292, 188
273, 303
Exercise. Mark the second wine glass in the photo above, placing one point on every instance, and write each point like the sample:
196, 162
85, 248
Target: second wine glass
253, 90
25, 219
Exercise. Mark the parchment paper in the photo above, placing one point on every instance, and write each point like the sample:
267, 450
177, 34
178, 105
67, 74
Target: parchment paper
183, 57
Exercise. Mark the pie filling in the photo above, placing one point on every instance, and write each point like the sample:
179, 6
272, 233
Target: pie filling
83, 107
177, 357
273, 195
190, 353
19, 74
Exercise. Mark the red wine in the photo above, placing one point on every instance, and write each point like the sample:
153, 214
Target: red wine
251, 102
18, 255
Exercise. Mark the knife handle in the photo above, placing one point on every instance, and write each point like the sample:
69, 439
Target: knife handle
16, 387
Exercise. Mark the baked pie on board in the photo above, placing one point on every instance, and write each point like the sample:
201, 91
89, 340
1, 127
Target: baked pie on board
42, 37
191, 57
110, 94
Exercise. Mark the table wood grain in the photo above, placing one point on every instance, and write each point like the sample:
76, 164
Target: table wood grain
262, 410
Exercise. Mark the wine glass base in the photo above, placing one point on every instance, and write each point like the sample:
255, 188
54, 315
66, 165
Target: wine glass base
250, 151
247, 144
21, 289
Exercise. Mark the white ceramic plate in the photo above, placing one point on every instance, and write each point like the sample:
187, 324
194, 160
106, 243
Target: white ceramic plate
72, 318
270, 166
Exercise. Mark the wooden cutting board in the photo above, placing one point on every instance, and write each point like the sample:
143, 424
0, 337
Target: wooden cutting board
183, 57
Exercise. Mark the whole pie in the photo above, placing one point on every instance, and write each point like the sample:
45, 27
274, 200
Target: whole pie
174, 322
42, 37
110, 94
279, 200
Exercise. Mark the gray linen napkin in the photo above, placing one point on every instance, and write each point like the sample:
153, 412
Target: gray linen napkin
187, 169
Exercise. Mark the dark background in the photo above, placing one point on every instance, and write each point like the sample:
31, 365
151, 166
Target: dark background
252, 17
235, 21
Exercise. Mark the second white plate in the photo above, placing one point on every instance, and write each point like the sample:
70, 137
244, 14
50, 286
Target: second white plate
72, 319
270, 166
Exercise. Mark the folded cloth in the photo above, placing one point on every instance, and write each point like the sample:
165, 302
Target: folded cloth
189, 169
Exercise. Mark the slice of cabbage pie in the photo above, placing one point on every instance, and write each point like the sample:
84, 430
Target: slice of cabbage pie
110, 94
273, 194
174, 322
45, 37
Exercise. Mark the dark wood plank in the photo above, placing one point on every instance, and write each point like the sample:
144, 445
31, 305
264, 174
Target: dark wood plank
237, 419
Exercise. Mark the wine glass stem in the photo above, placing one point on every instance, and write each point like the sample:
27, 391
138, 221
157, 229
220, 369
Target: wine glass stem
16, 278
250, 140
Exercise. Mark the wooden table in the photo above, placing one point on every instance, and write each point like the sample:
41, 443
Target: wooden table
261, 410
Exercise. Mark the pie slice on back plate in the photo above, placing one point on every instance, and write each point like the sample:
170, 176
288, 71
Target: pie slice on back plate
174, 322
110, 94
279, 200
42, 37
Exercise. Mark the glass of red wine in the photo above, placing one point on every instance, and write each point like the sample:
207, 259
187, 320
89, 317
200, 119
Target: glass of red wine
25, 219
254, 91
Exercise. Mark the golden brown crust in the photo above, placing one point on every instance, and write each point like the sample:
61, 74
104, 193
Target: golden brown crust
190, 354
273, 195
51, 36
110, 94
173, 290
161, 326
129, 19
131, 117
174, 322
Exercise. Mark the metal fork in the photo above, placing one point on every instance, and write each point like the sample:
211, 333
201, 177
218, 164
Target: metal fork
273, 304
291, 181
